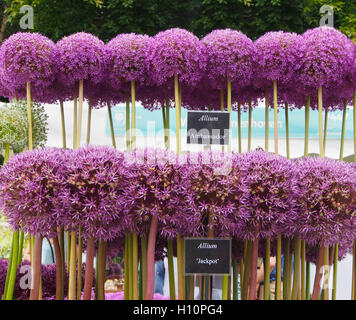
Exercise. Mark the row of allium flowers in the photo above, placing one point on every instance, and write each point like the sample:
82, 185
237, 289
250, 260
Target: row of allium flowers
222, 60
104, 196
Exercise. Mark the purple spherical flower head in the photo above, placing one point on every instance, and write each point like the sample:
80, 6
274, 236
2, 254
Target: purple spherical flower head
92, 199
326, 202
26, 57
175, 52
126, 57
29, 187
276, 58
326, 58
229, 57
80, 56
270, 197
214, 189
155, 189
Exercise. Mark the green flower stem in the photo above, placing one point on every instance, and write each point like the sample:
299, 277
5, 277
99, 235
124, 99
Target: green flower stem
320, 110
177, 105
168, 124
126, 268
90, 108
336, 256
172, 290
325, 128
180, 264
9, 266
68, 248
342, 143
59, 280
296, 273
303, 286
266, 120
307, 285
140, 284
249, 140
89, 269
111, 127
224, 287
97, 263
79, 277
266, 293
235, 289
144, 266
207, 289
80, 112
307, 121
72, 267
286, 268
130, 268
101, 271
151, 257
229, 110
21, 241
37, 263
275, 108
164, 124
318, 274
253, 274
287, 131
247, 261
326, 274
64, 142
242, 267
135, 265
128, 133
75, 122
29, 115
290, 274
239, 126
278, 268
187, 286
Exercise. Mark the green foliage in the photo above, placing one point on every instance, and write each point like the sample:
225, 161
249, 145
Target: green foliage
14, 125
107, 18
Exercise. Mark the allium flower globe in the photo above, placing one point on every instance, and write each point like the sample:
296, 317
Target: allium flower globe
176, 52
80, 56
27, 57
30, 185
126, 55
229, 56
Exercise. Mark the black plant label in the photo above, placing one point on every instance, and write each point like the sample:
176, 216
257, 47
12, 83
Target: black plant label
207, 256
208, 127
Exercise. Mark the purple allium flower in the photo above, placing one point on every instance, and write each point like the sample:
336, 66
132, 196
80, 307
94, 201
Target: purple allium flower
270, 198
175, 51
214, 193
126, 56
326, 201
229, 56
277, 57
26, 57
80, 56
327, 57
29, 187
155, 189
92, 199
